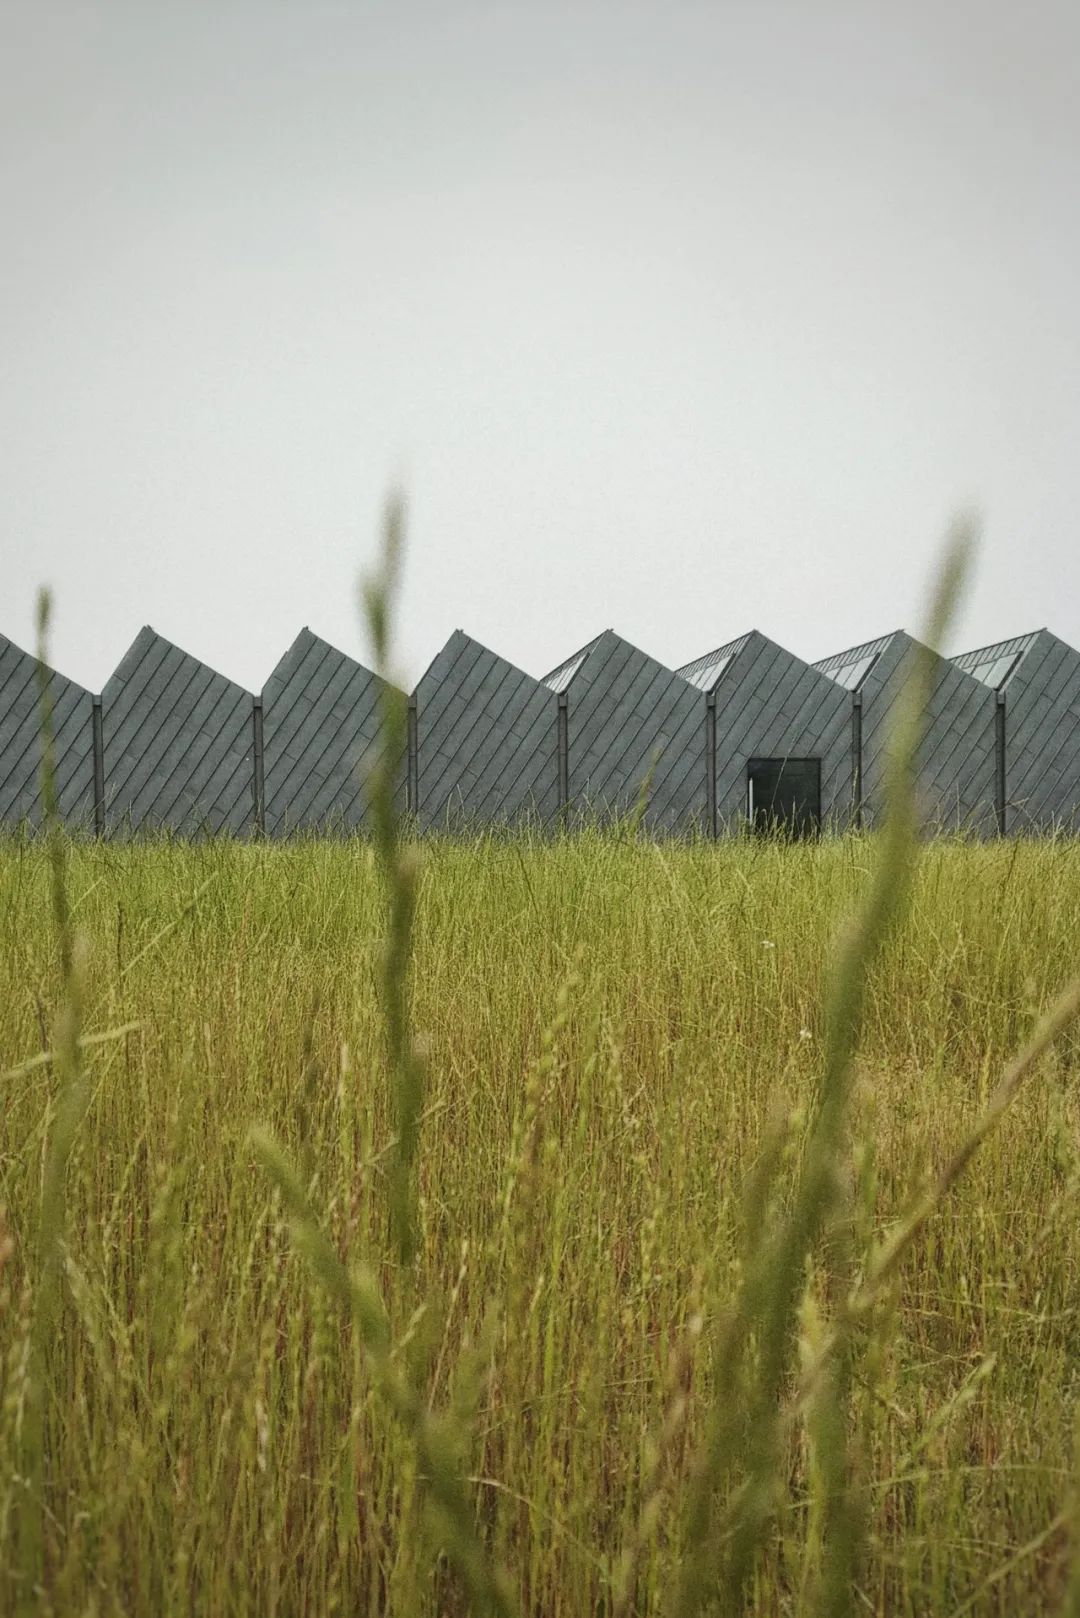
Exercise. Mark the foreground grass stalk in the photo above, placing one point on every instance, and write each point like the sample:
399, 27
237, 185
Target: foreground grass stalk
439, 1439
743, 1454
66, 1103
400, 872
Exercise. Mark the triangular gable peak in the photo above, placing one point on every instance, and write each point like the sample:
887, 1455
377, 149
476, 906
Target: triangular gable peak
995, 665
598, 651
177, 737
148, 643
562, 675
850, 668
884, 657
20, 738
705, 672
462, 645
484, 740
309, 650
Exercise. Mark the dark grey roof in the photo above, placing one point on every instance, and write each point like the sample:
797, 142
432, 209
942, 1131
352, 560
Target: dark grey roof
850, 668
994, 664
184, 748
177, 742
560, 677
321, 725
704, 671
20, 740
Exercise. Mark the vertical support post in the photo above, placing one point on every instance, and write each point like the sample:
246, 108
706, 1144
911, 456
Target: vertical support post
1000, 779
712, 829
258, 782
412, 760
563, 752
856, 761
98, 747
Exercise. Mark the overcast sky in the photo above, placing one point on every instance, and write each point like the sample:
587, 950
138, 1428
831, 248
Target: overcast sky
677, 319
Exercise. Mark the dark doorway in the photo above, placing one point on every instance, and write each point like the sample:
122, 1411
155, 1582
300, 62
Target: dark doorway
783, 796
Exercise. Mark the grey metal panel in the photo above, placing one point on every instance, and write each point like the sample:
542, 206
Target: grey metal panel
629, 715
706, 670
854, 654
177, 742
321, 727
464, 662
996, 664
1042, 729
20, 742
178, 736
678, 797
560, 677
462, 726
485, 741
954, 762
626, 682
653, 708
771, 704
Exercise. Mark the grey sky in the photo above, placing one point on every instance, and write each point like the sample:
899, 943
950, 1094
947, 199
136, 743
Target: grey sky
679, 319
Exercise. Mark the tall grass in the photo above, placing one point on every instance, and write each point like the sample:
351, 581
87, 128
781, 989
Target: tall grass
616, 1035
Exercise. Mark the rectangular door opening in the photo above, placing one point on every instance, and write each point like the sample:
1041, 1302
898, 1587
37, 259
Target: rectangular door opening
783, 796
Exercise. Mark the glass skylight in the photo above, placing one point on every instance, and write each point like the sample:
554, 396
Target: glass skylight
560, 677
850, 668
994, 664
852, 675
704, 671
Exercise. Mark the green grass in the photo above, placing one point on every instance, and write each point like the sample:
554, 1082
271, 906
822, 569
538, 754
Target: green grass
252, 1402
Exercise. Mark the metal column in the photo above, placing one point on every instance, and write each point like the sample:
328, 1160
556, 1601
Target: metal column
856, 760
98, 740
258, 783
999, 762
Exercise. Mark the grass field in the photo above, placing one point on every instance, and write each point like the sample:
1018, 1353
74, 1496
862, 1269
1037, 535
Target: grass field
202, 1408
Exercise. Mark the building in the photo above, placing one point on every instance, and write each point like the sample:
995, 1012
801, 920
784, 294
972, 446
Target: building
631, 736
1036, 684
955, 761
483, 740
778, 738
177, 744
747, 734
320, 731
72, 724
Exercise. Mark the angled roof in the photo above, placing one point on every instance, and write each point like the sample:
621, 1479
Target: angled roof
21, 736
704, 671
993, 665
313, 662
183, 732
560, 677
850, 668
460, 641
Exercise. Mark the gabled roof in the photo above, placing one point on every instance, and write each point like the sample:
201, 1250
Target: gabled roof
704, 671
850, 668
151, 648
993, 665
560, 677
308, 652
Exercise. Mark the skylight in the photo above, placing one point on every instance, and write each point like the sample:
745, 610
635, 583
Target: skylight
704, 671
994, 664
560, 677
